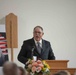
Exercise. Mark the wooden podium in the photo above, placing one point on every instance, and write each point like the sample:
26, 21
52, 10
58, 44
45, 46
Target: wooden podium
57, 65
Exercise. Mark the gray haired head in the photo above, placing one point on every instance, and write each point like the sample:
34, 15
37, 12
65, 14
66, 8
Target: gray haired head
38, 27
10, 68
63, 72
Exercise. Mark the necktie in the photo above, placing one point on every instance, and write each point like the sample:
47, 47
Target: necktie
38, 47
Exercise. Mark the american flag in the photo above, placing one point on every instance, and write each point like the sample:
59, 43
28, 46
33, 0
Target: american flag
3, 48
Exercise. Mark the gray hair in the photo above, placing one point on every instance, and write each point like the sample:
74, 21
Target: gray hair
63, 72
10, 68
38, 27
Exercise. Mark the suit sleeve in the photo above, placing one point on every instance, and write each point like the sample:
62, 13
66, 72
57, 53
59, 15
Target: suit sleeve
22, 54
51, 54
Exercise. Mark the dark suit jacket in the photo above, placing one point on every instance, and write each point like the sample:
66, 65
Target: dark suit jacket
26, 51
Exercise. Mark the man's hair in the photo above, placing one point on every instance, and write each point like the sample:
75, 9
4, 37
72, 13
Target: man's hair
63, 72
10, 67
22, 70
38, 27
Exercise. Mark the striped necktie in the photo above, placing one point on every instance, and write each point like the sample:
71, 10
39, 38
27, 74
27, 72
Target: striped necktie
38, 47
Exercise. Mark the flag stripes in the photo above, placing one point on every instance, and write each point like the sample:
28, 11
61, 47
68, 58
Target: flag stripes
3, 48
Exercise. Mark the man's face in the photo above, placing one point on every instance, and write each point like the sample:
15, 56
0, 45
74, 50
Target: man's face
37, 34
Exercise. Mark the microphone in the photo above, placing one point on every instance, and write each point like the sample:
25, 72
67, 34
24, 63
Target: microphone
33, 57
32, 51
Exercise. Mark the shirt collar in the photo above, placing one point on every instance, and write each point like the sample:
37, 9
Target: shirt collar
39, 42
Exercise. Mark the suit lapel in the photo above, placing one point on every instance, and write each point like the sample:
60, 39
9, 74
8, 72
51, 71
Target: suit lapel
34, 45
43, 47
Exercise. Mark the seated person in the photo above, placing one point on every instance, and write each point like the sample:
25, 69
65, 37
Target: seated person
21, 71
64, 72
10, 68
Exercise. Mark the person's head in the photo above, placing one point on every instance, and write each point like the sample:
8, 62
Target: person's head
38, 33
10, 68
64, 72
21, 71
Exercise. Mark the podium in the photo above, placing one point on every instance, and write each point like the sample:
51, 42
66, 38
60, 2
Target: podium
57, 65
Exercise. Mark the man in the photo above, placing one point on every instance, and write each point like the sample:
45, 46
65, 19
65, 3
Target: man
36, 47
10, 68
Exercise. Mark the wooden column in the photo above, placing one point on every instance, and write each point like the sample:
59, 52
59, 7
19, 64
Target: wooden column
11, 32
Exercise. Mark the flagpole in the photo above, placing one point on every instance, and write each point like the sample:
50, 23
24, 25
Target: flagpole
11, 41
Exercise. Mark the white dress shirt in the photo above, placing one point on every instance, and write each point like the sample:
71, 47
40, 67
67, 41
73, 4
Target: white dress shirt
39, 42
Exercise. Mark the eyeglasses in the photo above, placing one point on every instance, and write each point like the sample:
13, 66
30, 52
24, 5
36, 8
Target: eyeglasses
35, 32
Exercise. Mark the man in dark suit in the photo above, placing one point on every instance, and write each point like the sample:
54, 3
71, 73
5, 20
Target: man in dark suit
36, 47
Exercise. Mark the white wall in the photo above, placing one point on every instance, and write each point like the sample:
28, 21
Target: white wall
57, 17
